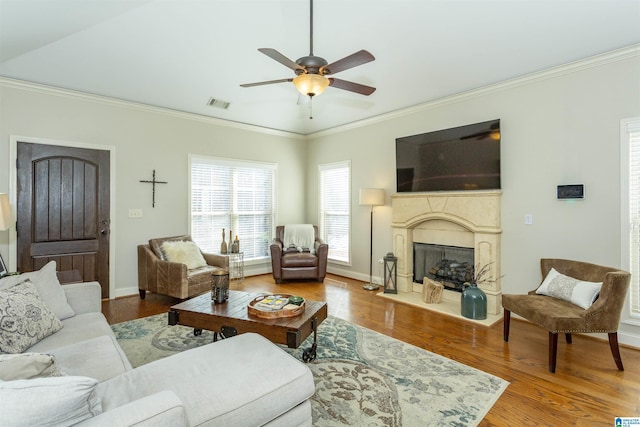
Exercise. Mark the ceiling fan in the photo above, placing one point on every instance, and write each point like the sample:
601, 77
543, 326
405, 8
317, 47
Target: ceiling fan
311, 70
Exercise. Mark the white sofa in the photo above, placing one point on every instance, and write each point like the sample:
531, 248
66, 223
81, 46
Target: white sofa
241, 381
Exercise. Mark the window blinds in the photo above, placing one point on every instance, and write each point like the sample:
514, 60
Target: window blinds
335, 209
633, 135
237, 196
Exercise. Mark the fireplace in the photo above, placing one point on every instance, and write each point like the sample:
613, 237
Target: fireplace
461, 219
450, 265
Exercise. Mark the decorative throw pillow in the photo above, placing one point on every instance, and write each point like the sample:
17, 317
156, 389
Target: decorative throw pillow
48, 286
578, 292
23, 366
24, 318
57, 401
184, 252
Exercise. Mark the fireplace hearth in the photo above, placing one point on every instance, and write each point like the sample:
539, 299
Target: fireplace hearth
466, 221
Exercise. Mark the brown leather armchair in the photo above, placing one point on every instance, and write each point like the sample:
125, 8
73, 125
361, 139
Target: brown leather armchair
294, 265
158, 275
559, 316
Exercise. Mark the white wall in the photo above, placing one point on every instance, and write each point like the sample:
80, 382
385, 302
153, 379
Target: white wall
558, 127
145, 139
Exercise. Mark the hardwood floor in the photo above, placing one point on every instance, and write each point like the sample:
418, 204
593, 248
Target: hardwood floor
586, 390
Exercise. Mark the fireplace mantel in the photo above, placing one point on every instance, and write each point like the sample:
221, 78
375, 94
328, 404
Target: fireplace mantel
449, 218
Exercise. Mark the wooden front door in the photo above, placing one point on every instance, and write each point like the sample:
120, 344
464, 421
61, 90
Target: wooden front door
63, 210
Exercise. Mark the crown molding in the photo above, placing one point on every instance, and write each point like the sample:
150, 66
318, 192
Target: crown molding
550, 73
105, 100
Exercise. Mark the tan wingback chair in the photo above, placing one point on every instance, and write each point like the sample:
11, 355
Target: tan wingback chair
156, 274
298, 265
559, 316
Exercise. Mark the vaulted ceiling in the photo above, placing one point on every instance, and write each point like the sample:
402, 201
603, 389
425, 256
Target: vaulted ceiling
178, 54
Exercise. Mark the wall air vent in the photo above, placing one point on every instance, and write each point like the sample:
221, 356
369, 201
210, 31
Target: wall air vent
218, 103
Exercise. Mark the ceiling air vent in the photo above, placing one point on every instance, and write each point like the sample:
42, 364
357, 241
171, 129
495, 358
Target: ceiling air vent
218, 103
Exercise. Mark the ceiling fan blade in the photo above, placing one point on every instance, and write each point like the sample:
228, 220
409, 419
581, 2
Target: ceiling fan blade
351, 86
353, 60
269, 82
275, 55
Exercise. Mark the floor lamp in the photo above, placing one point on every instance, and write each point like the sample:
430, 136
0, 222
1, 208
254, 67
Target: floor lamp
371, 197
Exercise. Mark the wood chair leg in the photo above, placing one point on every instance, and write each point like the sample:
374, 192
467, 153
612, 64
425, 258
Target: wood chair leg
568, 338
553, 351
507, 321
615, 350
143, 293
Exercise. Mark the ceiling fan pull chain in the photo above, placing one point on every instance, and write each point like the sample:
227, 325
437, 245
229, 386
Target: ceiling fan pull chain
310, 107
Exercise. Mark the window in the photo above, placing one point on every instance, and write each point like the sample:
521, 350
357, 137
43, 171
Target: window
630, 134
237, 196
335, 209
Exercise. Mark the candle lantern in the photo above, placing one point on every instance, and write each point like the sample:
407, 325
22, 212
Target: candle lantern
390, 274
220, 286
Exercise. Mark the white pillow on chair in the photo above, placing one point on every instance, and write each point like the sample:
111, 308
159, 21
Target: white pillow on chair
184, 252
578, 292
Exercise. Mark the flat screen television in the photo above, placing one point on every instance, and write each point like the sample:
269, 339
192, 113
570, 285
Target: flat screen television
461, 158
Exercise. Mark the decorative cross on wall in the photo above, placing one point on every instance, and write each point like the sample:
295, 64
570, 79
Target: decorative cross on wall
154, 182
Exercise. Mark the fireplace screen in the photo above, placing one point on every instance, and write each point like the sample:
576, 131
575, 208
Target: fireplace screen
449, 265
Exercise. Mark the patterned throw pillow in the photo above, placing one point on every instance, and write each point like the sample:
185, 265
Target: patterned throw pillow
24, 318
578, 292
48, 287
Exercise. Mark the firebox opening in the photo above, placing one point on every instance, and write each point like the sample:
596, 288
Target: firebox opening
450, 265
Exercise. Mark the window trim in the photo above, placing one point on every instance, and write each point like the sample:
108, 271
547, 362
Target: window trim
236, 163
627, 126
328, 166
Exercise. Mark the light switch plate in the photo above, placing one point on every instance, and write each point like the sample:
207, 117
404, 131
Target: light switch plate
135, 213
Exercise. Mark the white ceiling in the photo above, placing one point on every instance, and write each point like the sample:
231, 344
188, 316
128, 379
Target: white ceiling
178, 53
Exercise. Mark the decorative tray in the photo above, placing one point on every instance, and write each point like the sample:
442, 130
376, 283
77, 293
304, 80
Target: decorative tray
289, 310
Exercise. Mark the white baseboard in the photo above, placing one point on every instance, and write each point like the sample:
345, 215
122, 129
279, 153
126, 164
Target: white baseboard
125, 292
631, 340
352, 274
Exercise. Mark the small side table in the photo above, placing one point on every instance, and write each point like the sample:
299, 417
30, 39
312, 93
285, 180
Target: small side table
236, 266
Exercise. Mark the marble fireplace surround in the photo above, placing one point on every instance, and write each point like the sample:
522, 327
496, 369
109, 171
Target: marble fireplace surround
462, 218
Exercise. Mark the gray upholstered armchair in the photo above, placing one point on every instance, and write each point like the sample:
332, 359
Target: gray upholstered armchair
561, 316
291, 264
157, 274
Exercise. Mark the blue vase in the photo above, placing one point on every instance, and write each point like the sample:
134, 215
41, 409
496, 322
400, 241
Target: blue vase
473, 302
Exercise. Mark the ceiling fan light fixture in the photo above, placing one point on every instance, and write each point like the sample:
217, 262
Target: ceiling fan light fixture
311, 84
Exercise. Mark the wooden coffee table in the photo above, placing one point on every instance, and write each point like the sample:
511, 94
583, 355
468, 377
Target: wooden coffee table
231, 318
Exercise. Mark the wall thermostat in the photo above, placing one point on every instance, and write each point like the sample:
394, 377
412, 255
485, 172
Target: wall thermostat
572, 191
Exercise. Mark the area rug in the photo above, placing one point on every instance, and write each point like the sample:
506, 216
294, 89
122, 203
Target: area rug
363, 378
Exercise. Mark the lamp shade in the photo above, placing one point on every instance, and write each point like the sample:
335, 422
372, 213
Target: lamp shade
311, 84
372, 196
6, 219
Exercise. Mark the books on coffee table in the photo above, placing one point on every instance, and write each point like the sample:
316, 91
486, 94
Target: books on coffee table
272, 303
